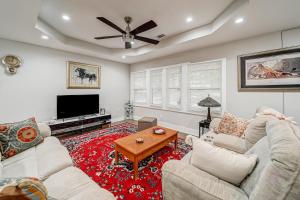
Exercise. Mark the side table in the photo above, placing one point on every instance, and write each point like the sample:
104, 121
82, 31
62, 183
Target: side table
203, 124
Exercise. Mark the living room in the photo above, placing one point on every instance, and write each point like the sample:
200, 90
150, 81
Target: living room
91, 86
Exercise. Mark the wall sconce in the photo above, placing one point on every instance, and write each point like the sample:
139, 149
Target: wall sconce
12, 63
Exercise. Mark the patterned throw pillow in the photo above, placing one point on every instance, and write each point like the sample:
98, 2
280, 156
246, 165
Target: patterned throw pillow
232, 125
19, 136
22, 188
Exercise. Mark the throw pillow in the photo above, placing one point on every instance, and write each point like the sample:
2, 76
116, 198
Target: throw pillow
274, 113
22, 188
222, 163
232, 125
19, 136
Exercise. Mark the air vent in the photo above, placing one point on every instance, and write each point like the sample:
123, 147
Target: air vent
161, 36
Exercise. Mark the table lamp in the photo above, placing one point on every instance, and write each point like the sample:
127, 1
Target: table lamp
209, 102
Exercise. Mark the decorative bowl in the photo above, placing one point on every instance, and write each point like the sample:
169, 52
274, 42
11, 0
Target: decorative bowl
159, 131
139, 140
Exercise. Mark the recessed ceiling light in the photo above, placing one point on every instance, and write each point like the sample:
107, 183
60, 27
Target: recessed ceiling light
189, 19
132, 42
123, 56
66, 17
239, 20
45, 37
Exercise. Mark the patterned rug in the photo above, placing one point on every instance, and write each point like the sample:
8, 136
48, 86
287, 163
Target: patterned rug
93, 153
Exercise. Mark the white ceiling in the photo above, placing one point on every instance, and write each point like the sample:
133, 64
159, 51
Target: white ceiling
85, 26
213, 23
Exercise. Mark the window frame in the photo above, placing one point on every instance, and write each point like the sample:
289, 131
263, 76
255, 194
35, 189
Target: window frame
185, 96
132, 89
221, 89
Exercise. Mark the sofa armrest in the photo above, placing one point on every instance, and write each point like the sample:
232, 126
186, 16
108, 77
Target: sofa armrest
230, 142
214, 123
182, 181
44, 129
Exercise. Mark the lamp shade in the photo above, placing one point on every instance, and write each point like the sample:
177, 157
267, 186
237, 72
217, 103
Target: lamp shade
209, 102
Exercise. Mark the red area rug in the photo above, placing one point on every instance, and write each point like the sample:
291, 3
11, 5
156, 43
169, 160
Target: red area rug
93, 153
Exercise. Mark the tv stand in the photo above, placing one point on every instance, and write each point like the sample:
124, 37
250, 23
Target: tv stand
80, 124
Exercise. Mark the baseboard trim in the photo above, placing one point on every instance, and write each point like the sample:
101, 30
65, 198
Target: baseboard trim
117, 119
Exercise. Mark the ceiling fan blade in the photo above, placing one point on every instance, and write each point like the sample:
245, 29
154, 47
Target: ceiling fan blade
144, 27
107, 37
144, 39
127, 45
109, 23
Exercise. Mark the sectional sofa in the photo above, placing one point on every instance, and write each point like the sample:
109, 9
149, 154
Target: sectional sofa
51, 163
276, 175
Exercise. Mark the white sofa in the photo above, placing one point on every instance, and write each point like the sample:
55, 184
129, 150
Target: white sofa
275, 177
51, 163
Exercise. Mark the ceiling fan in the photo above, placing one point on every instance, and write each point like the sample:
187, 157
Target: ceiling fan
129, 35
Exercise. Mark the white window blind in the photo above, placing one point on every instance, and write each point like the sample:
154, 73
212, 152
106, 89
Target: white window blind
139, 89
174, 77
156, 87
204, 79
180, 87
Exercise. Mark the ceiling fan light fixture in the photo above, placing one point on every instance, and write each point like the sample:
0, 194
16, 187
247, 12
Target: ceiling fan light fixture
66, 17
45, 37
189, 19
239, 20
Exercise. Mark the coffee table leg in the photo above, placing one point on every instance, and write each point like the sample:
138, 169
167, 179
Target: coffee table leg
116, 157
175, 143
136, 168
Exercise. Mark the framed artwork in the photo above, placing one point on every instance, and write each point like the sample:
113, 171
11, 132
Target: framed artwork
276, 70
83, 76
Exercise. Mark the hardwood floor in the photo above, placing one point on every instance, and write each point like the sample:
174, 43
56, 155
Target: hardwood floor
181, 135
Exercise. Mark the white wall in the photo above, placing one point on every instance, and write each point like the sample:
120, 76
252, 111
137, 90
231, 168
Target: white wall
242, 104
32, 91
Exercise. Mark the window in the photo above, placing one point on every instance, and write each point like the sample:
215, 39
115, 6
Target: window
180, 87
173, 87
139, 89
156, 87
204, 79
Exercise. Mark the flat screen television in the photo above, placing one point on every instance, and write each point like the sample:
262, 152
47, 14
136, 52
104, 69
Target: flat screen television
76, 105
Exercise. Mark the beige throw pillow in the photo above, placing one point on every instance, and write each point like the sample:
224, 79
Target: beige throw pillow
231, 125
224, 164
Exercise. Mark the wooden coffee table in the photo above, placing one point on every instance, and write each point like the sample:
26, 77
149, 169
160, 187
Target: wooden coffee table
136, 152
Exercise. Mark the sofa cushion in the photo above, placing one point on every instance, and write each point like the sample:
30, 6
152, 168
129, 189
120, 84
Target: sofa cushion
18, 137
72, 183
182, 181
280, 178
256, 129
24, 165
40, 161
261, 149
49, 144
52, 162
230, 142
222, 163
274, 113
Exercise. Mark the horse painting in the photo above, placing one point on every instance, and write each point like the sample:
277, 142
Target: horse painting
83, 74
